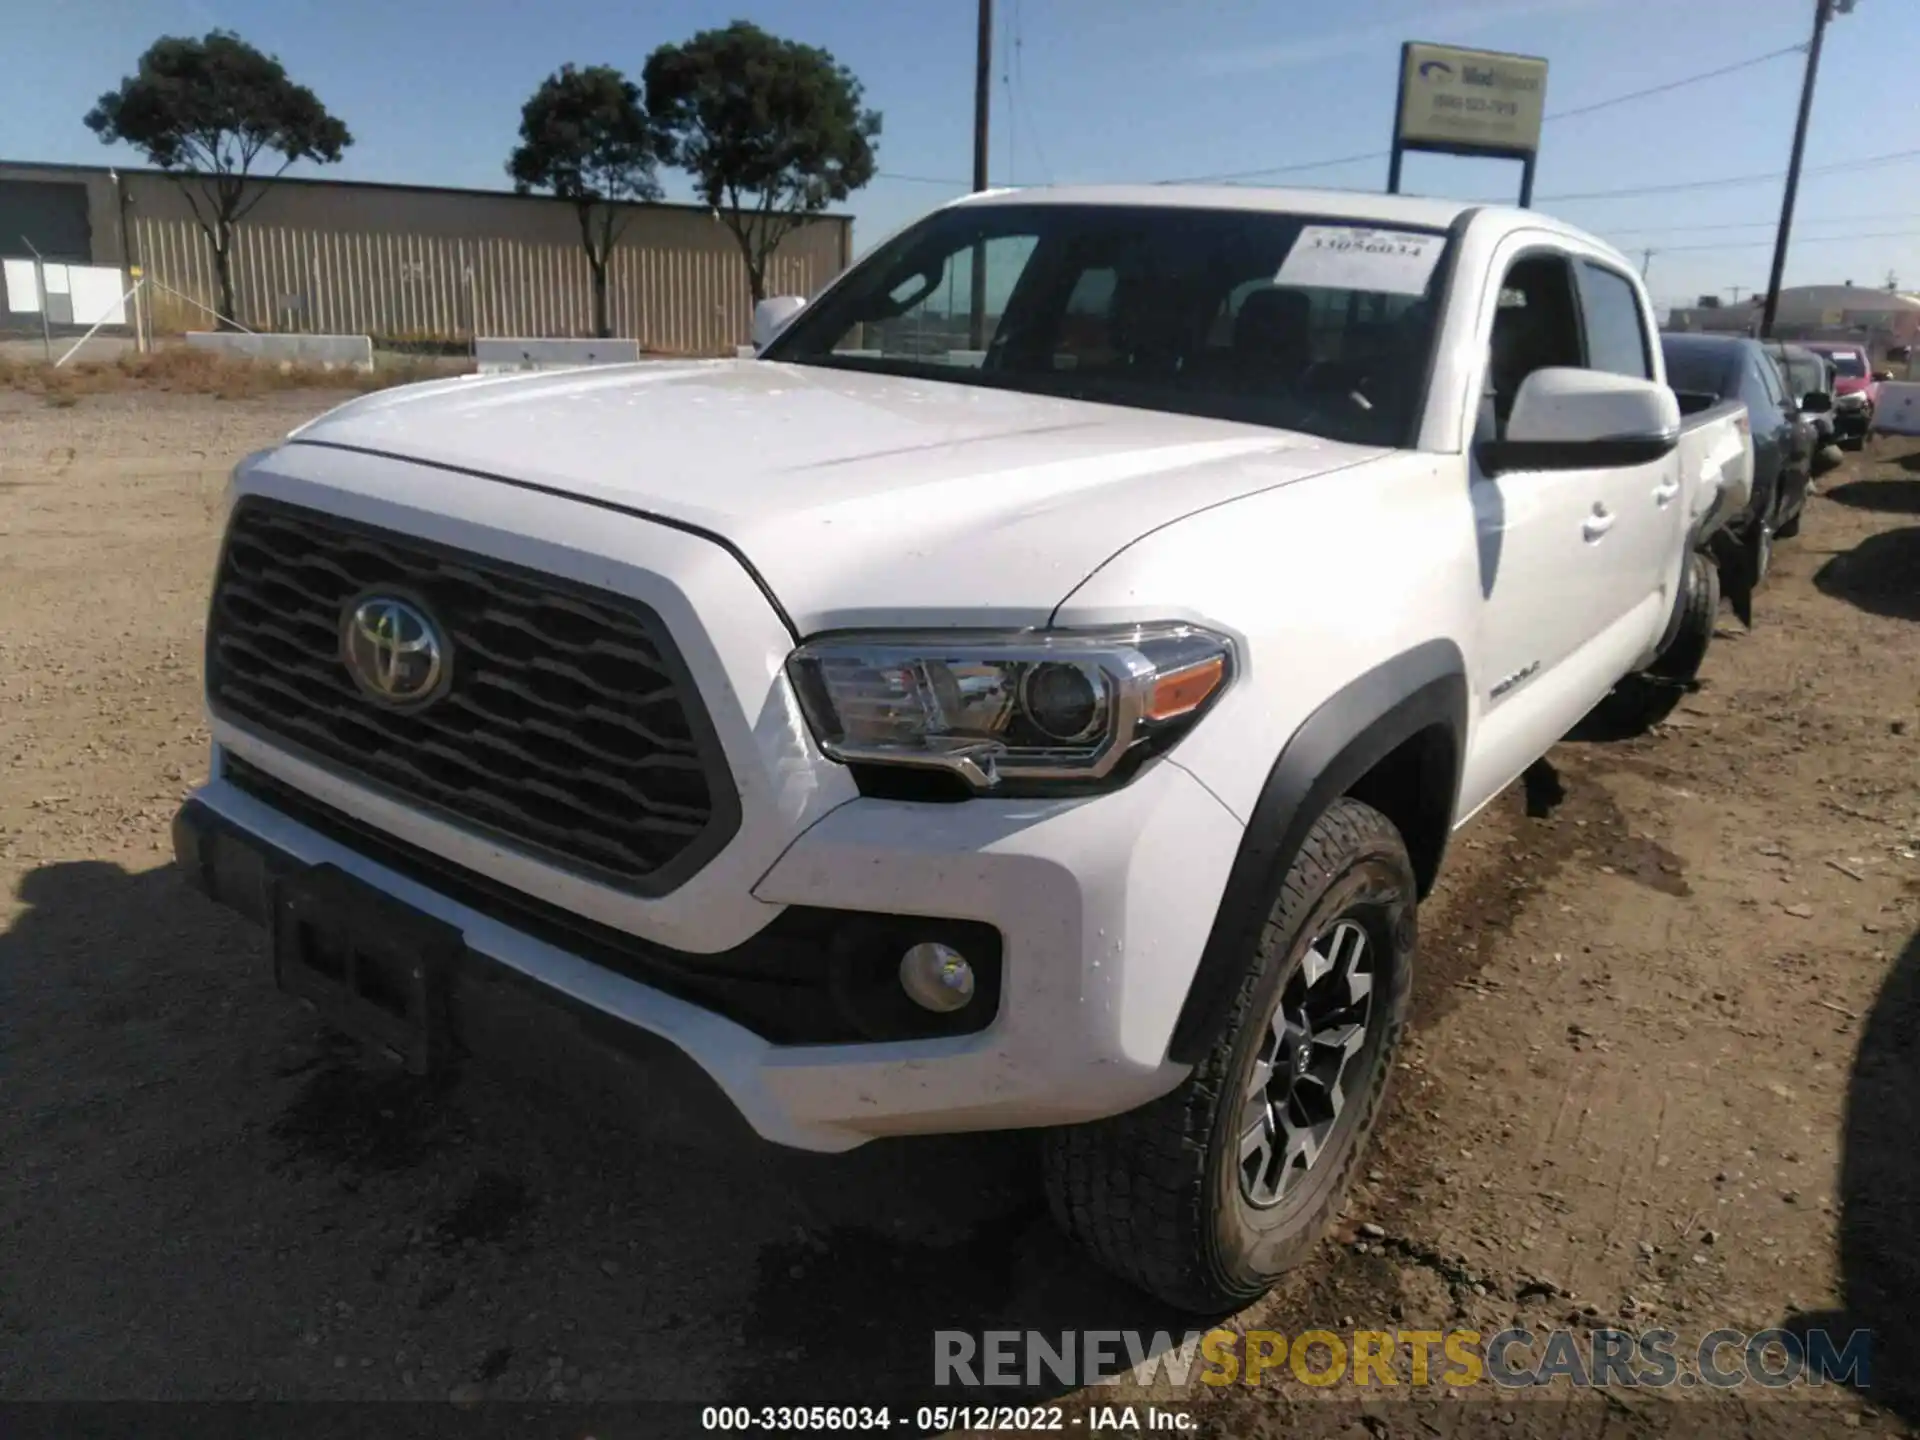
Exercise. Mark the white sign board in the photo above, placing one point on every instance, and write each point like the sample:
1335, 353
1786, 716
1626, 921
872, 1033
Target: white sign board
98, 295
23, 286
1353, 257
1471, 99
1899, 412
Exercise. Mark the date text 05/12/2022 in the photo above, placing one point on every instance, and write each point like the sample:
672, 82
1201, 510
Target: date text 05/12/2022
925, 1419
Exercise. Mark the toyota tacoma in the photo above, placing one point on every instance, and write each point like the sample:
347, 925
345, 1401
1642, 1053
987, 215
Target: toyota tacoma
1034, 691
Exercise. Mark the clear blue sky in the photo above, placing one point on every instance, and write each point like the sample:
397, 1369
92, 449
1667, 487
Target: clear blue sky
1098, 90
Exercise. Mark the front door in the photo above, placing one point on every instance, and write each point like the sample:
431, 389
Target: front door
1564, 558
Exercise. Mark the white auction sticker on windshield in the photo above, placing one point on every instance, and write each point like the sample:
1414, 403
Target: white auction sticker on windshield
1351, 257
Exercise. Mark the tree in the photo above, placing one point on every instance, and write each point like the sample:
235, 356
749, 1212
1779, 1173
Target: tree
586, 137
771, 131
206, 110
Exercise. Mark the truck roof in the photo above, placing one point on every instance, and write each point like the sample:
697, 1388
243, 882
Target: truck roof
1362, 205
1417, 210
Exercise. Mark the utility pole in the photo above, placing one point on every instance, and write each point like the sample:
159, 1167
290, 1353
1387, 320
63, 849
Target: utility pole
1823, 11
982, 93
1646, 261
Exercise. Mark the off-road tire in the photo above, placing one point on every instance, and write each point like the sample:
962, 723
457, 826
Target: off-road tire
1154, 1195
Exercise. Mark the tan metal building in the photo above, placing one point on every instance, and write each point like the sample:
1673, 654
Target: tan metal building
410, 262
1879, 319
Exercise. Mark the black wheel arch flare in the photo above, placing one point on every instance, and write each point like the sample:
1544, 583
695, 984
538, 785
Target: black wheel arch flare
1421, 692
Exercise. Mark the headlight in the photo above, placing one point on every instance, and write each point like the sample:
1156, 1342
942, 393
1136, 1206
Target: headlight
1010, 712
1856, 401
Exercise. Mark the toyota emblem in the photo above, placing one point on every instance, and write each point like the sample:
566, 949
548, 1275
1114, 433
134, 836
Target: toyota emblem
393, 650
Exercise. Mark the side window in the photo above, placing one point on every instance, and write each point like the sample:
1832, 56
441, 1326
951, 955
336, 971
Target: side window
1536, 325
1768, 374
1616, 331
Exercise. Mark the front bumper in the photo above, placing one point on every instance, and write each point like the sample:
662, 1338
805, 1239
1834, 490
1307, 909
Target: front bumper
1103, 906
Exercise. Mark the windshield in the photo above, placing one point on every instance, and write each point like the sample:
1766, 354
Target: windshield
1848, 363
1805, 375
1306, 323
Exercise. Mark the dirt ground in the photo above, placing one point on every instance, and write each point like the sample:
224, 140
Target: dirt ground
1665, 1068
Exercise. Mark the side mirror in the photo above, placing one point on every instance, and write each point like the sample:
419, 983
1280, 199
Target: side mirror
1567, 419
1882, 375
771, 315
1816, 400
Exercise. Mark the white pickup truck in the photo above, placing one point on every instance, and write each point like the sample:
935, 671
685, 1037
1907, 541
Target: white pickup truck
1035, 691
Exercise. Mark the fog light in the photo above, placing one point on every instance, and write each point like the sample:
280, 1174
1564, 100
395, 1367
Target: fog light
936, 977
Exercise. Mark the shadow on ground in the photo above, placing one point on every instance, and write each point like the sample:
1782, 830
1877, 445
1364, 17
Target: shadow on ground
1879, 1180
1880, 575
173, 1117
1894, 497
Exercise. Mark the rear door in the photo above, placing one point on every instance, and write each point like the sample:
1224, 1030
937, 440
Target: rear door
1639, 555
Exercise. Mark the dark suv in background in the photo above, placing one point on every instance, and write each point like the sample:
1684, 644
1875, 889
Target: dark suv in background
1809, 380
1732, 367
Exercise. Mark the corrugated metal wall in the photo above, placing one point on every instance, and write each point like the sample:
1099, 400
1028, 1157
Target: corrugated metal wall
402, 262
676, 298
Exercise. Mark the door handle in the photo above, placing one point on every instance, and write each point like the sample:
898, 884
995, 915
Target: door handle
1598, 523
1664, 492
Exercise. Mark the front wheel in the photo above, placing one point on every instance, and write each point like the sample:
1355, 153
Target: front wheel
1204, 1197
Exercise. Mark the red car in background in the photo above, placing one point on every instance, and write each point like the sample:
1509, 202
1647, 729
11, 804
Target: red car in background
1856, 388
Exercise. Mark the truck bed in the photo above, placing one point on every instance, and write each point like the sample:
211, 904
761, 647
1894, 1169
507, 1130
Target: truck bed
1716, 460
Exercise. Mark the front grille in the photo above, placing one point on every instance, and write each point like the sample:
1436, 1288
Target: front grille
568, 726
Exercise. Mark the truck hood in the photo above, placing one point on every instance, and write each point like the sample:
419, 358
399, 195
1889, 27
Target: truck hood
861, 499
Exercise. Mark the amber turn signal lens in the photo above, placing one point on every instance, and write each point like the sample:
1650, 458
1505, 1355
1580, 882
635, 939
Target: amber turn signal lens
1185, 691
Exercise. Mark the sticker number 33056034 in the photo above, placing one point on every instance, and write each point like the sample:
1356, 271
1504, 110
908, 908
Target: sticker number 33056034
1349, 257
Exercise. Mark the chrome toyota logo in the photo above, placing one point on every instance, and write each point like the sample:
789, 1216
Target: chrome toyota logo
393, 650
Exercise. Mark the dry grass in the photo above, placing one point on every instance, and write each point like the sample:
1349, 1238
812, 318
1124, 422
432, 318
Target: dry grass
200, 372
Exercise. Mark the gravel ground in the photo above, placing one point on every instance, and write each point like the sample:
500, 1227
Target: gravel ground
1662, 1071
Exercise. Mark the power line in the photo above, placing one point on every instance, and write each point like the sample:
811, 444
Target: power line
1755, 224
1797, 240
1020, 85
1006, 88
1712, 182
1680, 84
1892, 157
1607, 104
